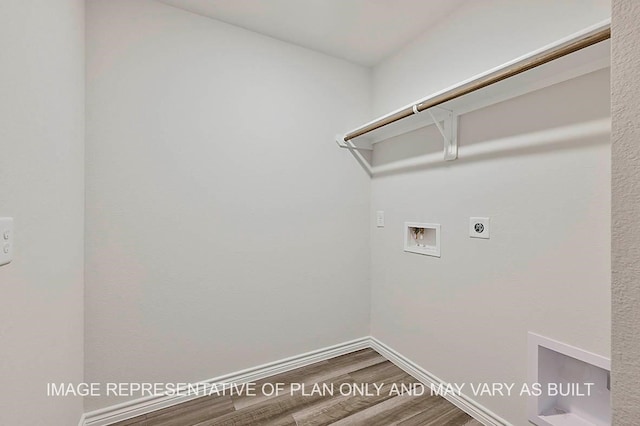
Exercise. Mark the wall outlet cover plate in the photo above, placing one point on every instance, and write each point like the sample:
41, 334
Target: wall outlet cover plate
479, 227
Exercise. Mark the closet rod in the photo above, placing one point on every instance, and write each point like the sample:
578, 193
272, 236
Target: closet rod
518, 67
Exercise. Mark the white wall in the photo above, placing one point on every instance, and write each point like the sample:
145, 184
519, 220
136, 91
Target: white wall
625, 210
224, 227
476, 37
537, 165
41, 186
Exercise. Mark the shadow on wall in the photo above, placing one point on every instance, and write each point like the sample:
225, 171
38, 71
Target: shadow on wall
557, 139
542, 121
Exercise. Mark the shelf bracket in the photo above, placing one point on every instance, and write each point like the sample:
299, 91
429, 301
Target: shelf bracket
449, 132
362, 145
355, 151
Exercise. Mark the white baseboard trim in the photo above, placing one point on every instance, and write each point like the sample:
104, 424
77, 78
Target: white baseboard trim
137, 407
463, 402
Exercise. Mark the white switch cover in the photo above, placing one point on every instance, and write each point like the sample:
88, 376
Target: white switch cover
479, 227
380, 218
6, 240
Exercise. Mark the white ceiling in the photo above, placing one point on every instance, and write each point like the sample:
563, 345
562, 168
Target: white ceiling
361, 31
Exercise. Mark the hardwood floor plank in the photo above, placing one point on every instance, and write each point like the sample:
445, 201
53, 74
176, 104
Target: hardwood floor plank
206, 408
390, 412
378, 372
435, 415
135, 421
336, 409
455, 418
282, 421
315, 373
367, 378
273, 409
195, 404
352, 356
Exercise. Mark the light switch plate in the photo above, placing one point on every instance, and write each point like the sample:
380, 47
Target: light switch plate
380, 218
479, 227
6, 240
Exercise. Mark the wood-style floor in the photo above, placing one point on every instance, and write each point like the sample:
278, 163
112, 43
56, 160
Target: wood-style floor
384, 408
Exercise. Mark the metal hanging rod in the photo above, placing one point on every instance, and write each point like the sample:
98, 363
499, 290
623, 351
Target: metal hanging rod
590, 37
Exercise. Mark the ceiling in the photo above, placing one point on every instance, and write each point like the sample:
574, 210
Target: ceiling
360, 31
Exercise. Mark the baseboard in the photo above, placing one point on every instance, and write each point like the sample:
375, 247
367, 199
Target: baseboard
466, 404
130, 409
138, 407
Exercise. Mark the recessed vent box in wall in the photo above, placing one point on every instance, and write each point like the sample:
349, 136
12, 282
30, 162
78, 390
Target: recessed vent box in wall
422, 238
574, 385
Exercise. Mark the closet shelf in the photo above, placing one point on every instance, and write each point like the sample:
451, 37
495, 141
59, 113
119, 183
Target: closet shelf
579, 54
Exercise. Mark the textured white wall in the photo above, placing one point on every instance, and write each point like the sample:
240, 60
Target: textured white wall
224, 227
546, 268
625, 109
42, 187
